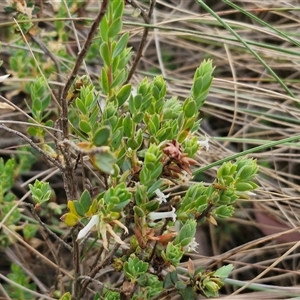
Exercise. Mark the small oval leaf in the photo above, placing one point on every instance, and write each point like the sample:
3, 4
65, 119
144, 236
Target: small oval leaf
102, 136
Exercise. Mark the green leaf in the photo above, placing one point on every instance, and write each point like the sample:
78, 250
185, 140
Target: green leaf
138, 101
105, 54
137, 118
33, 131
119, 79
128, 126
79, 208
29, 231
84, 126
102, 136
104, 81
116, 138
188, 123
131, 104
144, 176
104, 161
89, 100
122, 43
119, 207
85, 200
170, 279
224, 271
190, 110
132, 143
223, 211
97, 296
139, 138
118, 7
182, 135
115, 28
180, 285
66, 296
46, 102
104, 29
164, 134
70, 219
13, 62
139, 212
134, 268
151, 206
154, 187
37, 105
9, 9
245, 186
188, 293
123, 94
186, 233
80, 105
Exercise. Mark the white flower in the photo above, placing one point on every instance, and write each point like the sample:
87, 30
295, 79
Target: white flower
107, 228
163, 215
3, 77
185, 177
134, 91
250, 193
245, 195
88, 227
204, 144
192, 246
161, 197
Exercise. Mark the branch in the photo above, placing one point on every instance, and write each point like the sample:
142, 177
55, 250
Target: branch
33, 145
50, 55
68, 172
36, 216
147, 19
81, 56
95, 270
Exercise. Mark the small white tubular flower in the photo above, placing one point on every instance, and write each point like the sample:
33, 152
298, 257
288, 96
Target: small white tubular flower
204, 144
3, 77
192, 246
104, 228
250, 193
163, 215
245, 195
185, 177
121, 226
161, 197
88, 227
134, 91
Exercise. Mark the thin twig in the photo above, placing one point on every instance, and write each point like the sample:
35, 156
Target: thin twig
99, 283
33, 145
19, 286
163, 228
91, 151
75, 34
76, 266
69, 179
50, 55
36, 63
81, 56
3, 291
95, 270
165, 292
30, 118
107, 259
36, 216
147, 19
13, 258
